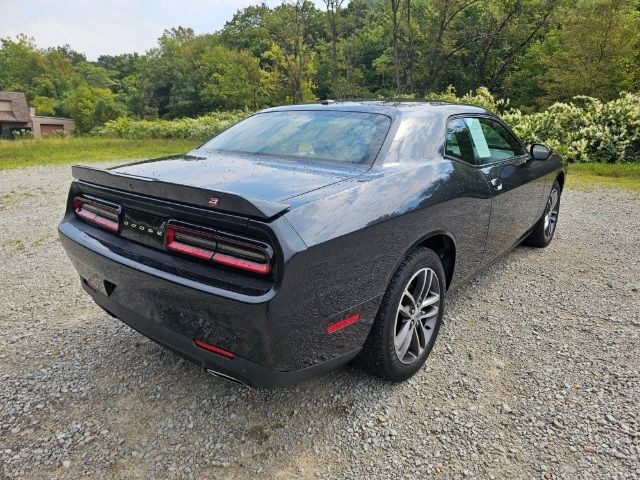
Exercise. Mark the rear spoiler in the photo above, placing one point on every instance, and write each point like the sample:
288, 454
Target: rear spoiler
201, 197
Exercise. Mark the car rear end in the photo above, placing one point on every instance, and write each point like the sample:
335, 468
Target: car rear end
209, 285
196, 251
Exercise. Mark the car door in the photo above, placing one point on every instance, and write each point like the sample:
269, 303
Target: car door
471, 212
514, 179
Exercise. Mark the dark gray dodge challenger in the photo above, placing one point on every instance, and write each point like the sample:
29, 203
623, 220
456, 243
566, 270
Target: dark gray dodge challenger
307, 235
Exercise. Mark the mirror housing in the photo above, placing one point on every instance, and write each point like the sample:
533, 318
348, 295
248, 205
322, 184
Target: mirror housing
540, 151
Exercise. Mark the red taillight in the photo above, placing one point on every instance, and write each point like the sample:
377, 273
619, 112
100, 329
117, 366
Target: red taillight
262, 268
217, 249
100, 214
214, 349
190, 242
343, 323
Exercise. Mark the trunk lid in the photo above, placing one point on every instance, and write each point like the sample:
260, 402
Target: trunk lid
256, 187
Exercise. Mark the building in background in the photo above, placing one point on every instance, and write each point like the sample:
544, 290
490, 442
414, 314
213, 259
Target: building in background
15, 115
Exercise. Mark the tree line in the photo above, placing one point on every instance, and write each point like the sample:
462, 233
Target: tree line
534, 52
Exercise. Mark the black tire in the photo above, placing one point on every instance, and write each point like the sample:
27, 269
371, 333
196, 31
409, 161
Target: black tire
542, 234
379, 353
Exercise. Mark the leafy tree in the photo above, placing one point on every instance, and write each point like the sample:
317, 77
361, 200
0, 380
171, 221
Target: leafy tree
335, 26
597, 52
92, 106
395, 6
233, 80
247, 30
44, 105
95, 75
20, 63
296, 28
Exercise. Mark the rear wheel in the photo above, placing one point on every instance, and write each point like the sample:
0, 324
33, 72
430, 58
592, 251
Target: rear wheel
409, 318
543, 231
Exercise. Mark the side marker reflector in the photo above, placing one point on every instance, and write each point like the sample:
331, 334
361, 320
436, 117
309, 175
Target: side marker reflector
214, 349
343, 323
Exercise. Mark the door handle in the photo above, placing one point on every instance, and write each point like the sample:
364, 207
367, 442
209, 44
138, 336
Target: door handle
496, 183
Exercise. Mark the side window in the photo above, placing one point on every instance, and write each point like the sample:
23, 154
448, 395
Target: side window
458, 142
491, 141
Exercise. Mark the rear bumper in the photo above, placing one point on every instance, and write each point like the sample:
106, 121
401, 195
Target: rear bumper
240, 369
278, 338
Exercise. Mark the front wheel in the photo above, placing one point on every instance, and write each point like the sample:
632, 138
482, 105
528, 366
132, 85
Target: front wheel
543, 231
409, 318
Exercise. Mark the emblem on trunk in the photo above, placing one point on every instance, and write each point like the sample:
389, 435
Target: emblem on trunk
213, 201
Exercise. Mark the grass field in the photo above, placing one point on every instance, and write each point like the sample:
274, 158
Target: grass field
588, 175
26, 153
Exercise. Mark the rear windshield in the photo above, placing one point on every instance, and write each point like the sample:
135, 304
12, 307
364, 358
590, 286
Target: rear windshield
334, 136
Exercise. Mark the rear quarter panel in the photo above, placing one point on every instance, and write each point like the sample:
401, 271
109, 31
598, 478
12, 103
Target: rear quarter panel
357, 238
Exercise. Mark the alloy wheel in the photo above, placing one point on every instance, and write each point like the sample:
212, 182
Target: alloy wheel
551, 213
417, 315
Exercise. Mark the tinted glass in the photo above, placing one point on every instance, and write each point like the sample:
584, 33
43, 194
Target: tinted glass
491, 141
458, 144
345, 137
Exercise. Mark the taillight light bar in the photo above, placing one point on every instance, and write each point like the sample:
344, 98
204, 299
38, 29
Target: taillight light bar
217, 249
97, 213
190, 242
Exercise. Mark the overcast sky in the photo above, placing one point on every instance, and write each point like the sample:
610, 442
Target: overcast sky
98, 27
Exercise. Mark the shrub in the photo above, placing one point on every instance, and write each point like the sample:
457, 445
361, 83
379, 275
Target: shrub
585, 130
201, 128
482, 97
22, 134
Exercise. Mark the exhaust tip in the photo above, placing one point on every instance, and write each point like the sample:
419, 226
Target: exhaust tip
229, 378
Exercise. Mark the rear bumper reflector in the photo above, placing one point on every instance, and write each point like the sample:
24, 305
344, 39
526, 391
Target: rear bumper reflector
214, 349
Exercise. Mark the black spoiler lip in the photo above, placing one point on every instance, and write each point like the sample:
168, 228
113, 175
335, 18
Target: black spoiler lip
201, 197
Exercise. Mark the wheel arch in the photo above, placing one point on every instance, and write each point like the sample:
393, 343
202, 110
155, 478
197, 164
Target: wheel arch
443, 244
560, 179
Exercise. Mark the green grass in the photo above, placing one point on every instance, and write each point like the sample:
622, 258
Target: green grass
587, 175
50, 151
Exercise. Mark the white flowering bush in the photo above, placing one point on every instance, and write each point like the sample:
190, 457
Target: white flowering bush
481, 97
200, 128
585, 130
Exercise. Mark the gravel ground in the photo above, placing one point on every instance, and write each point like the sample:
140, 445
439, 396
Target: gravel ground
535, 373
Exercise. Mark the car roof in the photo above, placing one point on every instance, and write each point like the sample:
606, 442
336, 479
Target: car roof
388, 107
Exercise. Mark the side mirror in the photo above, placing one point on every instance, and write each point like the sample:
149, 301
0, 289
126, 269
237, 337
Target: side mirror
540, 152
